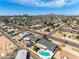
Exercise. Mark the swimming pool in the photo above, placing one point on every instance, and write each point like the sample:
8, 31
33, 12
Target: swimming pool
45, 54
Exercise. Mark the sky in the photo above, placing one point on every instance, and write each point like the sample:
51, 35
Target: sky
38, 7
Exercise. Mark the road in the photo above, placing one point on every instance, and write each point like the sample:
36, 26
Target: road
64, 41
51, 37
58, 39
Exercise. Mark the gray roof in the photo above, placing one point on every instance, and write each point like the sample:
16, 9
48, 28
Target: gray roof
26, 33
50, 46
33, 38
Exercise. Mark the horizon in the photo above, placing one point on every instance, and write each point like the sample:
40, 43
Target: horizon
39, 7
39, 15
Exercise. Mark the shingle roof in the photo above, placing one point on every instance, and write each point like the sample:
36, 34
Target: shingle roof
33, 38
50, 46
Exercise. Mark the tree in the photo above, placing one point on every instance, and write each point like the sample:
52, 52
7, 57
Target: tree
45, 23
65, 20
48, 30
77, 22
36, 48
57, 25
77, 32
51, 24
52, 58
45, 36
29, 44
6, 21
64, 35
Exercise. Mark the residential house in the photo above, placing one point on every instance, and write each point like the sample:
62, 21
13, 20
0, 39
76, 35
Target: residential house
47, 45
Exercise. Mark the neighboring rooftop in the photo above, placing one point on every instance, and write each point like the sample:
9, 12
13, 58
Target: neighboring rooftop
22, 54
33, 38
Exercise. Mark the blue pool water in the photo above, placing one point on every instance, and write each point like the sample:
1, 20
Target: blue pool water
43, 53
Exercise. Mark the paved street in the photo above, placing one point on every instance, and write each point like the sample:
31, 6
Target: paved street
58, 39
49, 36
64, 41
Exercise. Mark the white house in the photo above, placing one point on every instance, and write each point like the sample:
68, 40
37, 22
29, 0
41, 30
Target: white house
22, 54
